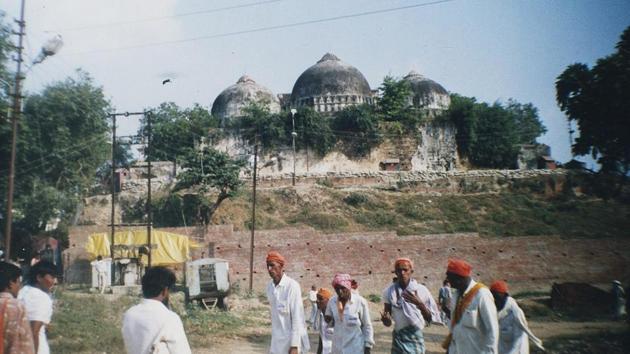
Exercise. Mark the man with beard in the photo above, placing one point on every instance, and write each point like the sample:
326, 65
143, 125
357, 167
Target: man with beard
150, 327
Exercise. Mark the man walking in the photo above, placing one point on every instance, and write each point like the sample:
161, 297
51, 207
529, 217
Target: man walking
312, 298
288, 329
325, 331
444, 301
38, 303
14, 327
513, 330
349, 314
150, 327
411, 307
474, 326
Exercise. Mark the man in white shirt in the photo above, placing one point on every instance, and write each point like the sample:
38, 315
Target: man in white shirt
39, 305
150, 327
444, 301
474, 326
514, 333
325, 331
312, 297
411, 307
349, 314
100, 266
288, 329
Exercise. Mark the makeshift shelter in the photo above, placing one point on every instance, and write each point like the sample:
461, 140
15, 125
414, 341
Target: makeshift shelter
168, 248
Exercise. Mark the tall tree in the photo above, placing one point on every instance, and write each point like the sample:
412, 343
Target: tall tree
313, 131
598, 101
177, 131
395, 104
357, 127
210, 171
268, 129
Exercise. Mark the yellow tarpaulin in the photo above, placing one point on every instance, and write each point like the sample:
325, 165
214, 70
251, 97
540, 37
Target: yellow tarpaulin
169, 248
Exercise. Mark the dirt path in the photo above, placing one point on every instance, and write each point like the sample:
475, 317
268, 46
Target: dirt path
433, 337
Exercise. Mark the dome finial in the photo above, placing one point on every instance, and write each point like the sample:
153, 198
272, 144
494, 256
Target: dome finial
245, 79
328, 56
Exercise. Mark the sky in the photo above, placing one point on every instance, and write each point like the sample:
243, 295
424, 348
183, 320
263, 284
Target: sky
493, 50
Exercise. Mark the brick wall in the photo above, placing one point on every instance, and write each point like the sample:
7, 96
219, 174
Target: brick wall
313, 258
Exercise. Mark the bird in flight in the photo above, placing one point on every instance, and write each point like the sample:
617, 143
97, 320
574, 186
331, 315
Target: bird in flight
164, 82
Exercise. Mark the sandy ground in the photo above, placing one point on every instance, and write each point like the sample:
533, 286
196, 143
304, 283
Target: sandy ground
433, 337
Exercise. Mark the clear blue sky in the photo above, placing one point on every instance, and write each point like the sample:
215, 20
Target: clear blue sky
492, 50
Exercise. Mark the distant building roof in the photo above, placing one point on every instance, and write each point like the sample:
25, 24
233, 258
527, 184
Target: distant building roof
246, 91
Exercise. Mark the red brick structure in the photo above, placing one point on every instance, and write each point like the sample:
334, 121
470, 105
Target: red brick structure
313, 258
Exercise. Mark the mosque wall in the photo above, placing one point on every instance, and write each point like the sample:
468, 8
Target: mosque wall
527, 263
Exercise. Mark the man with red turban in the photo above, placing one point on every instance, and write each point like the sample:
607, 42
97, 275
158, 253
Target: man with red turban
349, 314
288, 330
410, 306
513, 329
474, 328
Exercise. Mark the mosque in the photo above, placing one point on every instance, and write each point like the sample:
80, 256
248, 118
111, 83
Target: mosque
328, 87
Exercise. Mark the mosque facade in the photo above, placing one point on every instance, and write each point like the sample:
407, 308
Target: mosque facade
329, 86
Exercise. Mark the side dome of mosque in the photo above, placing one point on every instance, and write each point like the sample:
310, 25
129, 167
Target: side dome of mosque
330, 85
427, 93
231, 101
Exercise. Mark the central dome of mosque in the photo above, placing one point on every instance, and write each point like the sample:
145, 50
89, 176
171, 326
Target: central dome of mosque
330, 77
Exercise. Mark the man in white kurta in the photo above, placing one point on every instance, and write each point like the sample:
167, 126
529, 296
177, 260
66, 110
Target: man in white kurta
325, 331
312, 298
288, 329
514, 333
410, 306
150, 327
353, 332
474, 325
38, 303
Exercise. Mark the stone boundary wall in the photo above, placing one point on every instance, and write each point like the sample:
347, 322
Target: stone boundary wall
532, 262
450, 182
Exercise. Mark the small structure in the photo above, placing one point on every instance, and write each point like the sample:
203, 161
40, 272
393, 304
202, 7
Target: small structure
207, 280
547, 163
390, 165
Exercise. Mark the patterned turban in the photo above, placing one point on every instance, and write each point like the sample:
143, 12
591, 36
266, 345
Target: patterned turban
325, 293
499, 286
342, 280
274, 256
459, 267
403, 260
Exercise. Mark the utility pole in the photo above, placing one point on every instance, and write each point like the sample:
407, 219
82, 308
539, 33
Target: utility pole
148, 206
293, 135
251, 246
15, 116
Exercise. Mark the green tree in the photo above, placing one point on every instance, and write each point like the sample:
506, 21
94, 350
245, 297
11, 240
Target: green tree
528, 123
208, 170
598, 101
66, 129
177, 131
357, 128
395, 103
490, 135
258, 124
313, 131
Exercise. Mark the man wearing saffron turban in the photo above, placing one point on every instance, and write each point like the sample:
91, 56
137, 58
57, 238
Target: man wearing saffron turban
514, 333
325, 331
288, 330
410, 306
474, 328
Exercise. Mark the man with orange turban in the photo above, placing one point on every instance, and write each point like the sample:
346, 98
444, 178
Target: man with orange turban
349, 314
513, 329
410, 306
288, 330
474, 327
325, 331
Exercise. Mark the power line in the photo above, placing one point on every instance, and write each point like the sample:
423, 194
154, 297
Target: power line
269, 28
151, 19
